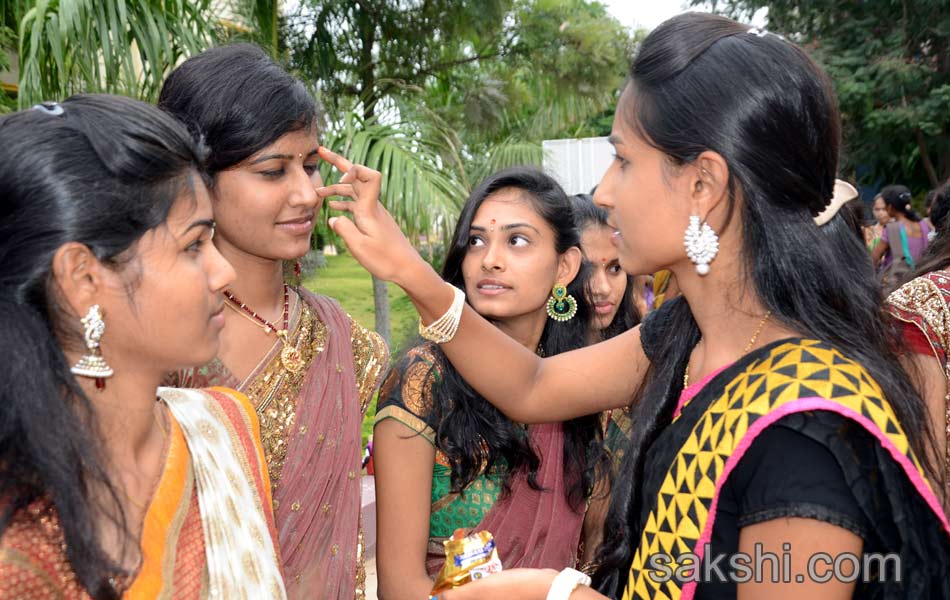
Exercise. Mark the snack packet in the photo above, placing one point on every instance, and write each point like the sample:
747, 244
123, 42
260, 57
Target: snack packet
467, 558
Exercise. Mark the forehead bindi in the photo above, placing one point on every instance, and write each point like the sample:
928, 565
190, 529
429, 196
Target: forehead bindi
507, 208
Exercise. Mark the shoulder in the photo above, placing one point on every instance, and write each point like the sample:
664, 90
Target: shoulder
919, 289
367, 345
406, 395
370, 359
225, 405
235, 405
410, 382
922, 303
798, 467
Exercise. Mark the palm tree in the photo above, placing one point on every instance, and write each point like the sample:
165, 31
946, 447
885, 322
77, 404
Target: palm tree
113, 46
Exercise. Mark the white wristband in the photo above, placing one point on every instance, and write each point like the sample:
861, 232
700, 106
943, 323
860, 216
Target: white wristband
565, 583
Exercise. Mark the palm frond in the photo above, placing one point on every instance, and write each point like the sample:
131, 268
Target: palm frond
421, 194
114, 46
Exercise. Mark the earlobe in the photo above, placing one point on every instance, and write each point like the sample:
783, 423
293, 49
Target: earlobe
76, 271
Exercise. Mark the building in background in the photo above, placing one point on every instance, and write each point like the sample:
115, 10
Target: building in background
577, 164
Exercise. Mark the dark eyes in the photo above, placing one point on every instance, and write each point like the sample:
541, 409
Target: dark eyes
516, 240
278, 173
623, 161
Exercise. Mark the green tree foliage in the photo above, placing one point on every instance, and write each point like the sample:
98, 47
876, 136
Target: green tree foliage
890, 62
116, 46
456, 88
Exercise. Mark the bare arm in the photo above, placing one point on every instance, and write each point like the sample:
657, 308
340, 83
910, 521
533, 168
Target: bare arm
878, 252
404, 463
524, 584
807, 538
931, 383
524, 387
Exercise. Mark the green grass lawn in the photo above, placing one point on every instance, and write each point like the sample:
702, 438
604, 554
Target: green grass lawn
346, 281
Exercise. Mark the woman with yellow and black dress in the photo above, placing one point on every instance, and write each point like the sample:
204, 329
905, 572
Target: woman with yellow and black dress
772, 416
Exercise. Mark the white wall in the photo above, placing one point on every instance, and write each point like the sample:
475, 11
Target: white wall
577, 164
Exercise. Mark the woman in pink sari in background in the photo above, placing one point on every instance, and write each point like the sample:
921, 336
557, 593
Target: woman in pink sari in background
308, 368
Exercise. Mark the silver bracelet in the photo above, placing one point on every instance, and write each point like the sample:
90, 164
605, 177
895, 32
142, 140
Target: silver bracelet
445, 327
565, 583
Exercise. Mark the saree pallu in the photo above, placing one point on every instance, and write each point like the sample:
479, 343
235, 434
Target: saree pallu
693, 458
532, 529
318, 498
188, 541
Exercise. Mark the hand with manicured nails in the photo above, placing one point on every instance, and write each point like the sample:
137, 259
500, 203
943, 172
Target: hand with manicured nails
372, 236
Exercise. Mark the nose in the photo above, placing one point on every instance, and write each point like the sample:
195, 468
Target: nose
303, 191
220, 272
603, 195
493, 258
599, 286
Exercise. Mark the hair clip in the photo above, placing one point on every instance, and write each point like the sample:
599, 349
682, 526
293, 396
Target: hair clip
763, 33
50, 108
843, 193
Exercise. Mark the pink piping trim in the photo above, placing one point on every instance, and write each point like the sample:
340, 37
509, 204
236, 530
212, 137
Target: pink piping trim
801, 405
690, 392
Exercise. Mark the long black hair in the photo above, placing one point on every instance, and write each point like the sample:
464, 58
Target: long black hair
474, 435
899, 197
238, 101
587, 214
937, 255
702, 82
101, 171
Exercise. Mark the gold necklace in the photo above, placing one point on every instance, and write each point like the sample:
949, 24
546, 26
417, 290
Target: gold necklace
290, 355
745, 351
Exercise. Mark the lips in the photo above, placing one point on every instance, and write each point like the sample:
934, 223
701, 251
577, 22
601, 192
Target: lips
492, 286
299, 226
603, 308
308, 218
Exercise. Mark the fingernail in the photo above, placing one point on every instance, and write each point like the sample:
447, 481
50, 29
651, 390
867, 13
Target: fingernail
331, 221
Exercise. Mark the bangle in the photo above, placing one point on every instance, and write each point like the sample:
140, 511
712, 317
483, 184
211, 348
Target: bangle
565, 583
444, 328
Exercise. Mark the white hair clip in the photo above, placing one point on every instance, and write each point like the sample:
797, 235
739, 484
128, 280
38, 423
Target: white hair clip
758, 32
844, 193
50, 108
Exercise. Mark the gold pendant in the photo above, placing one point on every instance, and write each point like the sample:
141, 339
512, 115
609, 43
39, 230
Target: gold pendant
289, 355
291, 359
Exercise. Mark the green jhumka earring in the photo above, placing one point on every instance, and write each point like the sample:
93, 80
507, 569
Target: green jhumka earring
561, 305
